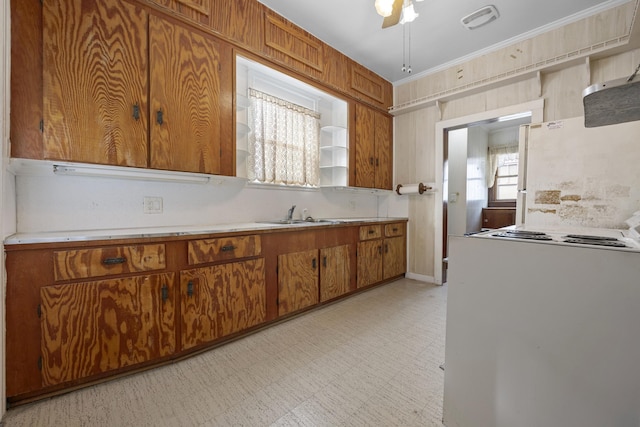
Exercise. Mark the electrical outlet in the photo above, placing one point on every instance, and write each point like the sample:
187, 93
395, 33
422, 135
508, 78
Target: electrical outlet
152, 205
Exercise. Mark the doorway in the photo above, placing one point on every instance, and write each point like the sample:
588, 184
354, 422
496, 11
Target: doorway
443, 205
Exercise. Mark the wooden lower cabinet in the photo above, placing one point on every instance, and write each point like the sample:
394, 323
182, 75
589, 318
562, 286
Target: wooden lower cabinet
220, 300
335, 272
297, 281
81, 313
369, 263
94, 327
394, 263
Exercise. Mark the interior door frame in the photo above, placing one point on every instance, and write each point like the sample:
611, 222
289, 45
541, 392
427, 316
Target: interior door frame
535, 107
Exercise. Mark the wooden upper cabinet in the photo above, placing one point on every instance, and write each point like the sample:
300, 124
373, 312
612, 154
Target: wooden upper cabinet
336, 69
365, 147
95, 82
241, 21
195, 10
370, 87
291, 45
384, 151
95, 327
373, 148
191, 89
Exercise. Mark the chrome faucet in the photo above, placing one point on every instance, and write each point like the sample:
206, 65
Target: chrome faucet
290, 213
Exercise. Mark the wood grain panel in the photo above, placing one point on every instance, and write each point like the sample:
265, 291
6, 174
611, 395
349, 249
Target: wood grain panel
394, 257
84, 263
367, 83
335, 272
220, 300
395, 229
291, 40
365, 147
368, 232
369, 263
186, 87
384, 151
241, 21
211, 250
94, 327
95, 73
297, 281
26, 79
198, 11
336, 69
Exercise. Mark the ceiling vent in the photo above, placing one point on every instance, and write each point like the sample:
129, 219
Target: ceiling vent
480, 17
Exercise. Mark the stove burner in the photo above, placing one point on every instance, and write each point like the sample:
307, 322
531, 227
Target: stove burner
587, 237
598, 242
531, 235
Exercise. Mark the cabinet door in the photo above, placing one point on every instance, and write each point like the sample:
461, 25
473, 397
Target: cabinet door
297, 281
220, 300
384, 151
365, 147
190, 99
369, 262
94, 327
335, 272
95, 82
394, 257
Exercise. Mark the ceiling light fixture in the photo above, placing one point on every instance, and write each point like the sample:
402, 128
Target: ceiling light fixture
384, 7
408, 13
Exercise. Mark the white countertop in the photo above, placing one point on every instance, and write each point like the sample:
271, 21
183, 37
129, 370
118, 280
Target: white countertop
170, 231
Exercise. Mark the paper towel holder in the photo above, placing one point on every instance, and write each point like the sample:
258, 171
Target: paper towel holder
421, 188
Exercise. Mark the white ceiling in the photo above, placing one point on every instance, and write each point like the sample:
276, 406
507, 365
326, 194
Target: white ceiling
437, 37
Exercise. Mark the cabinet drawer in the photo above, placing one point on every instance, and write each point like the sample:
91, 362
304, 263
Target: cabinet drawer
392, 230
212, 250
84, 263
368, 232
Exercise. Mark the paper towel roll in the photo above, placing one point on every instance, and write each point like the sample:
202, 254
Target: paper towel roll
418, 188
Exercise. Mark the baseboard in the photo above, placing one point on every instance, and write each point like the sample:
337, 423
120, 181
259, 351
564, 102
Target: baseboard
421, 278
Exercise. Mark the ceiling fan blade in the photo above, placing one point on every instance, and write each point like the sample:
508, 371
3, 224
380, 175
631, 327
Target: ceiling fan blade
394, 18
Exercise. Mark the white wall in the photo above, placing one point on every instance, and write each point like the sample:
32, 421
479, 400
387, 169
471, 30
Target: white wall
63, 203
477, 197
457, 183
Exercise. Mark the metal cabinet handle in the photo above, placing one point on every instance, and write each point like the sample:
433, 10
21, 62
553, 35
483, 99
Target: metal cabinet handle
190, 289
228, 248
372, 231
159, 117
165, 293
136, 112
380, 250
324, 261
386, 248
370, 160
313, 263
112, 261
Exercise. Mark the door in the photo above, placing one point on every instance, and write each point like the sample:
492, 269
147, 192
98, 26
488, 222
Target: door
369, 263
394, 260
93, 327
220, 300
335, 272
297, 281
365, 147
95, 82
190, 99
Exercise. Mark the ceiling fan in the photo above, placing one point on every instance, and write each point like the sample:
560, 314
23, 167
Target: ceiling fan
395, 11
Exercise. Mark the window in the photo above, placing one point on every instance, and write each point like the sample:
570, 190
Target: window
284, 144
503, 176
288, 133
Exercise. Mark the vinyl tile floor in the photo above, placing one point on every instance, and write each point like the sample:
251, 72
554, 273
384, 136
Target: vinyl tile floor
370, 360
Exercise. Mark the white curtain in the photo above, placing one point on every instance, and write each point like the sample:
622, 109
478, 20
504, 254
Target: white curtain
493, 160
284, 144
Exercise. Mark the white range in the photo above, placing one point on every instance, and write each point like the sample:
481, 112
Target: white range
543, 329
